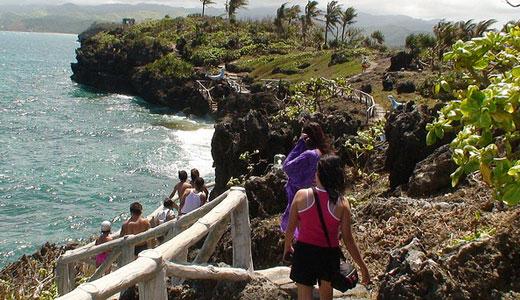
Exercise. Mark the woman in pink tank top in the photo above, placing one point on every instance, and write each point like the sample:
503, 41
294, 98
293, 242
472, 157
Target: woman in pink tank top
313, 259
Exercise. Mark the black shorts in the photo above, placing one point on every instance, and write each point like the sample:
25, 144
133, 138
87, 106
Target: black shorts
313, 263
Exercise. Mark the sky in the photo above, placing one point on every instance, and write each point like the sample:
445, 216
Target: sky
452, 10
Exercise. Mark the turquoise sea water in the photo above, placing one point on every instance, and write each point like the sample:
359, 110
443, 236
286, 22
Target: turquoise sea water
71, 157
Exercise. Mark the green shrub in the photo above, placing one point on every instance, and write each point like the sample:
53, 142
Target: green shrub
172, 67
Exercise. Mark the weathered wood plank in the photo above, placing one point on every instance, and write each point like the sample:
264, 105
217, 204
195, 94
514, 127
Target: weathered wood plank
211, 241
241, 234
193, 271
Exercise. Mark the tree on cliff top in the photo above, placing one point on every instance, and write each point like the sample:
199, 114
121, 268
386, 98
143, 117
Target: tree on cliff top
206, 3
233, 5
486, 114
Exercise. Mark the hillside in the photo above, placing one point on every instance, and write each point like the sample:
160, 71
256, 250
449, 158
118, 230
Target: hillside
72, 18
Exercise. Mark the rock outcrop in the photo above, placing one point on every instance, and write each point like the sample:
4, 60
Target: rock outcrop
122, 69
480, 269
432, 174
406, 132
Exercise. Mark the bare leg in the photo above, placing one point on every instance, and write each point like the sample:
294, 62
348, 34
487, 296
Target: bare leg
304, 292
325, 290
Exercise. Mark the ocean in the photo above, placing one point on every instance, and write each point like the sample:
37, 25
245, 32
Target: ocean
71, 157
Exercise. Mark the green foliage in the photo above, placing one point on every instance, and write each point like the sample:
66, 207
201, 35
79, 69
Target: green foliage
248, 158
170, 66
309, 96
362, 149
479, 234
485, 114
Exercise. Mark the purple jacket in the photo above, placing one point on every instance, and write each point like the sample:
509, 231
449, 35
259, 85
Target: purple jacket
300, 167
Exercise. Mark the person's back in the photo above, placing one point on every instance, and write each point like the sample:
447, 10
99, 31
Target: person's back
193, 198
166, 214
136, 224
181, 187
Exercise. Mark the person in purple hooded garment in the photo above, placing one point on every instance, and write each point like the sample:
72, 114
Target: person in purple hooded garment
300, 164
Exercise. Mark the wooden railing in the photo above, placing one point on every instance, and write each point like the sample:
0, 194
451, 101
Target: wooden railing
361, 96
152, 266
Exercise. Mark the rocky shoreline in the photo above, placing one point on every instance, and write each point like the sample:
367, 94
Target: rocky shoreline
421, 238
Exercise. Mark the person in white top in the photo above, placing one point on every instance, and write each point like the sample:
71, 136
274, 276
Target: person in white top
193, 198
166, 214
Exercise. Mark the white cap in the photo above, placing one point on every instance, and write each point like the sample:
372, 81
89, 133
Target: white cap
105, 226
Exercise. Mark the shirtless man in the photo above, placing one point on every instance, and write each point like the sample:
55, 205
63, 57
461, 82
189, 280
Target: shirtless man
181, 186
136, 224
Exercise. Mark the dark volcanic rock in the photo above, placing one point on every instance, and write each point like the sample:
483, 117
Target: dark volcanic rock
433, 173
480, 269
406, 87
405, 131
367, 88
400, 61
266, 194
120, 69
411, 275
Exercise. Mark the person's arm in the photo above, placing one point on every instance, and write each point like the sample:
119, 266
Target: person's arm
205, 190
350, 243
123, 230
174, 190
294, 220
298, 149
202, 199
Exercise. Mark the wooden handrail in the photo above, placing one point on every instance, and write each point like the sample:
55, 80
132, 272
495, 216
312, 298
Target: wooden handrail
151, 267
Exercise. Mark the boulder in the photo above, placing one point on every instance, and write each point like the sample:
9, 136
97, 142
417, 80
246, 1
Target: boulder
406, 87
405, 131
367, 88
432, 174
266, 194
410, 274
401, 60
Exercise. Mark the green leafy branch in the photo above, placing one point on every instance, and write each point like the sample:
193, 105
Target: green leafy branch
486, 114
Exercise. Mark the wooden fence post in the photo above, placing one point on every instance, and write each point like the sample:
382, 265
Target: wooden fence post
63, 278
155, 288
211, 241
241, 234
127, 252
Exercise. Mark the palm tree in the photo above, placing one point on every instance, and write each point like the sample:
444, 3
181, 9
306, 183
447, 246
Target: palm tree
378, 36
233, 5
482, 27
332, 17
311, 13
446, 34
281, 16
347, 19
465, 29
293, 13
206, 3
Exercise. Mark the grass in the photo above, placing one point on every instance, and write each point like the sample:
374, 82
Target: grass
264, 66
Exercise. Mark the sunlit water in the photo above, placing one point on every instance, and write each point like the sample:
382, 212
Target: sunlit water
70, 157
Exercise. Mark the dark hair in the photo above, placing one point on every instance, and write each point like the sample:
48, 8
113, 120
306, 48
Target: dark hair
194, 174
199, 183
331, 175
168, 203
317, 138
136, 208
183, 175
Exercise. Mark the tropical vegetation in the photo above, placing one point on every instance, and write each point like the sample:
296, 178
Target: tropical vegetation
485, 112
